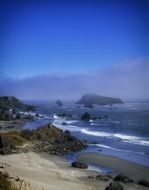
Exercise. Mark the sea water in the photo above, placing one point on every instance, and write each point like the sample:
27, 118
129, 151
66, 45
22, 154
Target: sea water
121, 130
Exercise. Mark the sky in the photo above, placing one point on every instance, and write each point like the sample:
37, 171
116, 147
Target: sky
62, 49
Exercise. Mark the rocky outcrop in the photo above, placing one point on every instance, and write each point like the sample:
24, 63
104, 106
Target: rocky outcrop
102, 177
11, 102
114, 186
123, 178
44, 139
59, 103
94, 99
79, 165
86, 116
143, 183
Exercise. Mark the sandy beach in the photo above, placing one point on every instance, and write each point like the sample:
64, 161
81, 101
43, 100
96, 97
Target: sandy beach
53, 172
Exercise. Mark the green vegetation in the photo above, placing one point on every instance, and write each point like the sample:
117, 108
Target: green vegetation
5, 183
43, 139
11, 102
4, 115
7, 102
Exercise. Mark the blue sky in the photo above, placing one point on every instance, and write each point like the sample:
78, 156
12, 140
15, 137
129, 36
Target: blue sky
51, 37
41, 37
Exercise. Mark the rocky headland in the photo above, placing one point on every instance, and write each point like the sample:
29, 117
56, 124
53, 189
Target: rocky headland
94, 99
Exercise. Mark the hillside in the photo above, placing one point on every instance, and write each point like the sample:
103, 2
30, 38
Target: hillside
11, 102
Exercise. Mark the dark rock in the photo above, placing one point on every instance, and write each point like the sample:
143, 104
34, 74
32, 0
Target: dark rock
94, 118
94, 142
65, 115
109, 176
114, 186
91, 177
102, 177
86, 116
144, 183
79, 165
123, 178
59, 103
6, 150
89, 106
64, 123
1, 143
71, 138
67, 132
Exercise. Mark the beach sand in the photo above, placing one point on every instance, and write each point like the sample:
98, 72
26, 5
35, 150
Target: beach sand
53, 173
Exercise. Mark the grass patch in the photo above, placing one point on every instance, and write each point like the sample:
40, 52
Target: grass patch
5, 183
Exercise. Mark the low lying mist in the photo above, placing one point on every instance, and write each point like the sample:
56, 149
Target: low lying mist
129, 79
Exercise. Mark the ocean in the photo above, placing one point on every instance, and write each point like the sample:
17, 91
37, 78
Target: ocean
121, 130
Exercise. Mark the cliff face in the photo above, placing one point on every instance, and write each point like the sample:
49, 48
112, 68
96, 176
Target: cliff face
11, 102
98, 100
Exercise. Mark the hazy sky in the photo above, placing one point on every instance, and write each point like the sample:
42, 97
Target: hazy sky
51, 48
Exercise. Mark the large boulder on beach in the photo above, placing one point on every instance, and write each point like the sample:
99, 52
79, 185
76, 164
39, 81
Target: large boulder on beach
102, 177
143, 183
123, 178
79, 165
114, 186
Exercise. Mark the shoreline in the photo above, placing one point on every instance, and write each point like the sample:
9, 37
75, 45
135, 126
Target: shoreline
54, 172
117, 165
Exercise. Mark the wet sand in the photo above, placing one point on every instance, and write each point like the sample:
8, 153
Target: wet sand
131, 169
